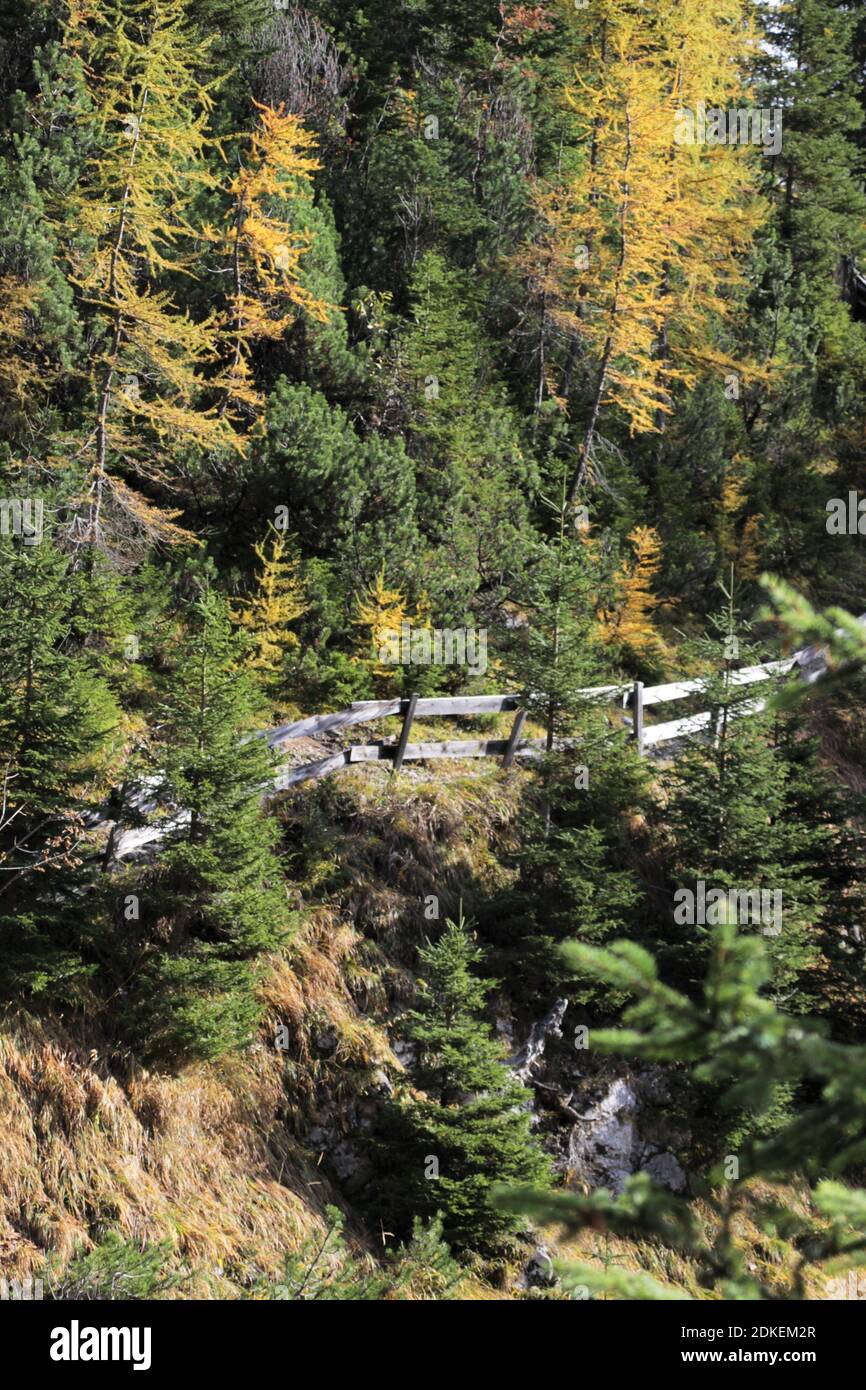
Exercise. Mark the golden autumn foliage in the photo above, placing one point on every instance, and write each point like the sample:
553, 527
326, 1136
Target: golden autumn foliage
20, 373
383, 611
148, 117
641, 246
628, 623
277, 601
737, 531
164, 382
263, 250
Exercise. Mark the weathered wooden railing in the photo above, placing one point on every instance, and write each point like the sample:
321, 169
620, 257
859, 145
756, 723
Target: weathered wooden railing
635, 696
811, 661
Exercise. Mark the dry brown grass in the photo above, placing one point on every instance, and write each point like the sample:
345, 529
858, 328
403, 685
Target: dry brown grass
767, 1257
200, 1159
208, 1158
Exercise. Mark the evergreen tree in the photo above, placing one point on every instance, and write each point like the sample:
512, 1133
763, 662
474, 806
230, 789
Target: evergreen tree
56, 721
576, 864
442, 1151
473, 477
214, 903
352, 499
40, 328
810, 72
832, 853
326, 1270
731, 827
738, 1042
555, 652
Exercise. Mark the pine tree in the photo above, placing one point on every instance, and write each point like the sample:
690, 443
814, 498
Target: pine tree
441, 1152
41, 331
352, 499
827, 808
832, 852
214, 903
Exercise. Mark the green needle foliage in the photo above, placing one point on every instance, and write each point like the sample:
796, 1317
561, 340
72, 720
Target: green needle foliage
325, 1270
736, 1040
56, 721
448, 303
215, 903
442, 1151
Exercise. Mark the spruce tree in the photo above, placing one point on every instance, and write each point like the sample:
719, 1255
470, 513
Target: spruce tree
56, 721
555, 654
730, 826
737, 1042
810, 71
576, 866
443, 1150
214, 902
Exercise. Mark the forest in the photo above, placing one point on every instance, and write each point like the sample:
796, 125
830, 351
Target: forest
476, 389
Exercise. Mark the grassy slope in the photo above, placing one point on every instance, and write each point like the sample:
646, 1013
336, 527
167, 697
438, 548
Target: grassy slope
214, 1159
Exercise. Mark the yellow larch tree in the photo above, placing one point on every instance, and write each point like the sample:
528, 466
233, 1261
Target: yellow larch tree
278, 600
263, 251
737, 531
21, 370
628, 623
147, 118
383, 612
642, 244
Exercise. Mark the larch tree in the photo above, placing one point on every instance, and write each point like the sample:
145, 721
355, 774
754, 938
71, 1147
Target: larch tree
627, 622
267, 614
263, 252
148, 118
384, 613
647, 235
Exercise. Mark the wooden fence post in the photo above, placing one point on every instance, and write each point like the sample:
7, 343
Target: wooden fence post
404, 733
513, 737
637, 716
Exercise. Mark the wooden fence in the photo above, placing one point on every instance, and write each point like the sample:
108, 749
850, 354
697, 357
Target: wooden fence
634, 696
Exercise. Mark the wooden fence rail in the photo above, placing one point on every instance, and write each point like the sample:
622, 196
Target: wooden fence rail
635, 696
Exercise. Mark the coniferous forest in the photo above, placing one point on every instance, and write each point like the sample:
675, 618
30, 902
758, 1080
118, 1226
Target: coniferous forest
432, 742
